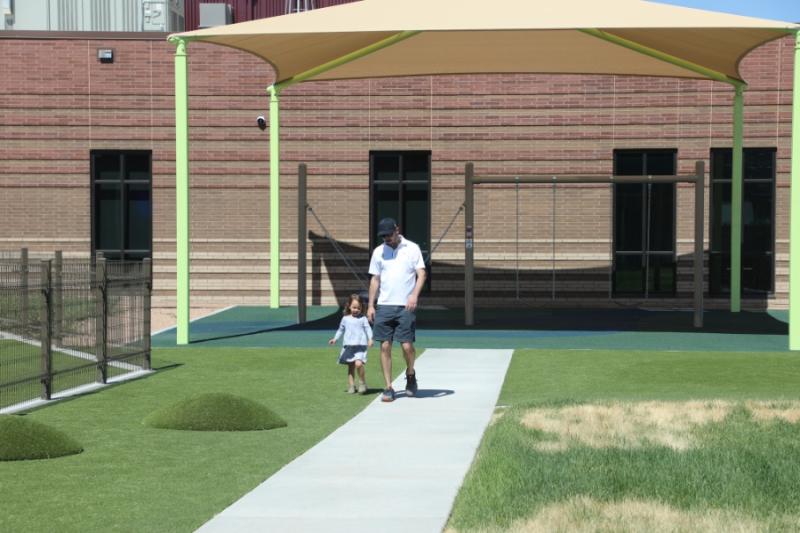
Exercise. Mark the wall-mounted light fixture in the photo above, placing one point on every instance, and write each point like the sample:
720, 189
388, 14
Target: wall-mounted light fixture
105, 55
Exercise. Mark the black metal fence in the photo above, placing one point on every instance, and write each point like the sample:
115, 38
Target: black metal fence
67, 323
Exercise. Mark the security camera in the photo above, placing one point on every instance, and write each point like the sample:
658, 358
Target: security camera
262, 122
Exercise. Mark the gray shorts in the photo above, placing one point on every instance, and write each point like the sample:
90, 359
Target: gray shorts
394, 323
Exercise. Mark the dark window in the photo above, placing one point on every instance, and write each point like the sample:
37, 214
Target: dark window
758, 221
644, 225
122, 213
400, 187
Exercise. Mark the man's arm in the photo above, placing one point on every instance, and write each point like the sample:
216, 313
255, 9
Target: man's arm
412, 299
374, 284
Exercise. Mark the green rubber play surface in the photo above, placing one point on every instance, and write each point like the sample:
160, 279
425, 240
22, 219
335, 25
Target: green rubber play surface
623, 329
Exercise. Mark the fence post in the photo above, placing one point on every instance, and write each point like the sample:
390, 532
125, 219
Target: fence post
101, 329
46, 333
148, 289
58, 297
23, 273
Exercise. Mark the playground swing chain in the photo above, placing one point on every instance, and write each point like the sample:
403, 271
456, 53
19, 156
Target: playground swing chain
646, 256
362, 280
516, 245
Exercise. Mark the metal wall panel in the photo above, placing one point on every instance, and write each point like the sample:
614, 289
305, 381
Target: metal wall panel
244, 10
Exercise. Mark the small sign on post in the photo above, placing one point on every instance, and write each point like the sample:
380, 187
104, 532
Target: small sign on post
468, 242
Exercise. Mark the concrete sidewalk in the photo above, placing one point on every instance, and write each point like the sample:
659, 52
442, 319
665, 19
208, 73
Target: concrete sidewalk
393, 467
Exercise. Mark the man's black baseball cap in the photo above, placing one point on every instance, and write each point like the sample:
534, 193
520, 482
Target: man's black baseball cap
386, 227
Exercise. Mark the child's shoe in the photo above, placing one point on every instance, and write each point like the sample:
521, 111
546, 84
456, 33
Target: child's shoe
388, 395
351, 389
362, 388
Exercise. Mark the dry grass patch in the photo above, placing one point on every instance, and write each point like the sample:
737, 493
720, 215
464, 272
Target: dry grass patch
637, 425
582, 514
770, 411
498, 413
624, 425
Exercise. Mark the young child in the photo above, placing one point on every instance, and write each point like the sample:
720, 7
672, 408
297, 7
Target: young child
357, 339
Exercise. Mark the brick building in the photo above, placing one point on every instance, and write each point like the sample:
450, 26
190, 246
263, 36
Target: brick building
88, 164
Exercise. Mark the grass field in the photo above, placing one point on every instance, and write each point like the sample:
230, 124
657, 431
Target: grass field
639, 441
135, 478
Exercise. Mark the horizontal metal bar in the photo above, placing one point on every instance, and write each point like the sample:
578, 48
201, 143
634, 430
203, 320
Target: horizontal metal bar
584, 179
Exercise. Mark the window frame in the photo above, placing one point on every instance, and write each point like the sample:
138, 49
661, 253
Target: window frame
372, 230
646, 200
713, 288
123, 253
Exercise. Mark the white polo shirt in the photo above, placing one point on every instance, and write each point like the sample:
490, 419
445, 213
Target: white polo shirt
397, 268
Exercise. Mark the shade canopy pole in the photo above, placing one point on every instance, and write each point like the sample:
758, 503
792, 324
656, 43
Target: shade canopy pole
794, 209
275, 152
274, 198
736, 201
181, 189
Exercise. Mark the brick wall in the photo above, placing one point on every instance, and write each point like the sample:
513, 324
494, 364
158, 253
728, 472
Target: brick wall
59, 103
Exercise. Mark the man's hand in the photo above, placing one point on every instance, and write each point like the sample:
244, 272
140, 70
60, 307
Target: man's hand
332, 342
371, 314
411, 305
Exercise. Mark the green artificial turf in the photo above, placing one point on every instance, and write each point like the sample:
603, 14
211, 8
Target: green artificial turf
134, 478
738, 464
537, 375
22, 438
215, 412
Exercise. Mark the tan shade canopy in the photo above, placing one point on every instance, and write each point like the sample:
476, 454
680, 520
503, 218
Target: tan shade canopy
513, 36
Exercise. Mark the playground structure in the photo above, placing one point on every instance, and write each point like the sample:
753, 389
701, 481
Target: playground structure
380, 39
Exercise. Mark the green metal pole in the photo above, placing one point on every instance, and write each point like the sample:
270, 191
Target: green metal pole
794, 225
736, 201
274, 199
182, 189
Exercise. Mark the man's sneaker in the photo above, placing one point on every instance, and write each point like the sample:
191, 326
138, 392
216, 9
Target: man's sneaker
411, 384
351, 389
362, 388
388, 395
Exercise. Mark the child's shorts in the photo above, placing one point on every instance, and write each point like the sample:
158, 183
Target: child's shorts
351, 354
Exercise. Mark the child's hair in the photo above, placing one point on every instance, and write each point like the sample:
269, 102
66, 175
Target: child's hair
350, 299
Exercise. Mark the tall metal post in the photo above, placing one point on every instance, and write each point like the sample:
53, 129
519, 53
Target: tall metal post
794, 224
182, 189
274, 198
101, 319
699, 208
58, 297
147, 271
302, 211
47, 331
469, 258
736, 200
23, 281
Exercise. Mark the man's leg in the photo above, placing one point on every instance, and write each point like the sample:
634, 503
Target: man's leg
410, 354
411, 376
386, 362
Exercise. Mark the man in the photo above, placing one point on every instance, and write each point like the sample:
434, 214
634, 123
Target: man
398, 274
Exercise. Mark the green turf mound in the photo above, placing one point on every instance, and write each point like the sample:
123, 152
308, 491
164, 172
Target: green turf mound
22, 438
215, 412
